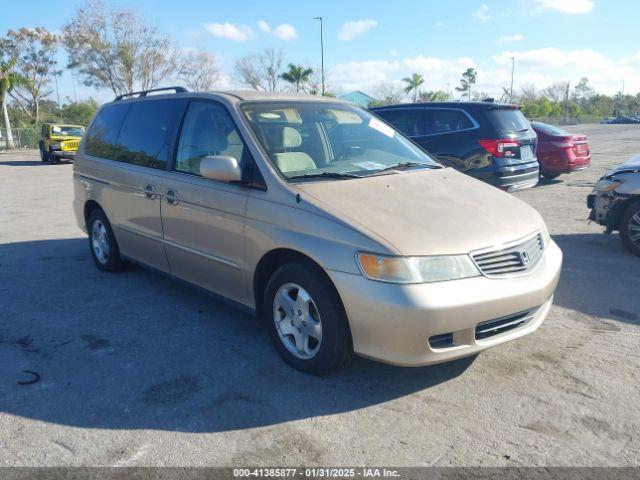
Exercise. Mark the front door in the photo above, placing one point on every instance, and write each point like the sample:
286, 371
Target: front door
203, 219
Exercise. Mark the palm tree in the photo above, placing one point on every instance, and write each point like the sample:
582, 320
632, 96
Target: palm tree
297, 75
413, 84
8, 80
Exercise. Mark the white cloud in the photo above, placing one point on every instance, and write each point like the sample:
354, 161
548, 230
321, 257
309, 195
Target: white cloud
539, 67
482, 13
230, 31
567, 6
510, 39
355, 28
440, 24
264, 26
285, 32
362, 75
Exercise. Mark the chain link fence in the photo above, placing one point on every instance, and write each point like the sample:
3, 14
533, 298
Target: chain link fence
27, 137
569, 120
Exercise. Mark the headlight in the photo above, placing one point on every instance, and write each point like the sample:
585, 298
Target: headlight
55, 145
608, 184
385, 268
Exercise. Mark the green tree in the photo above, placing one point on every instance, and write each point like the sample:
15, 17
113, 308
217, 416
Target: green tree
9, 79
469, 77
79, 113
583, 91
434, 96
297, 75
413, 85
35, 51
545, 107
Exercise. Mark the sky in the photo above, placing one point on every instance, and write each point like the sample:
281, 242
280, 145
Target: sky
368, 43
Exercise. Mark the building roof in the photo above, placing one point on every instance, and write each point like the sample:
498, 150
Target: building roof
358, 97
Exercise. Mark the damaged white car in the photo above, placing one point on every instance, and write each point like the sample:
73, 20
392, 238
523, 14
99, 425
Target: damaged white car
615, 203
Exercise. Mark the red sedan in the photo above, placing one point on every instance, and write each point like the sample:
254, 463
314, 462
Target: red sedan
560, 151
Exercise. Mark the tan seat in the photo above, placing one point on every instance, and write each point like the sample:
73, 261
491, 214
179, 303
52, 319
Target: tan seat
293, 161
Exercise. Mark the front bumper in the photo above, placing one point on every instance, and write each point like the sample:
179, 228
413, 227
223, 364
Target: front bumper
69, 154
606, 209
393, 323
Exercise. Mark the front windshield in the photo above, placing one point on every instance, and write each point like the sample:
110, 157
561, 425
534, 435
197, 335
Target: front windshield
308, 139
67, 130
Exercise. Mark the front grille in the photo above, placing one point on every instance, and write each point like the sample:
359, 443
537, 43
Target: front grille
497, 326
514, 259
70, 145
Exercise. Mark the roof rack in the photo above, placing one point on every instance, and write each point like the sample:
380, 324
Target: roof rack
144, 93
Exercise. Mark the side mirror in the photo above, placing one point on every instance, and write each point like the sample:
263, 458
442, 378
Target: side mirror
220, 167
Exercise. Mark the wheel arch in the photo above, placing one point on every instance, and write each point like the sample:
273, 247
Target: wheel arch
274, 259
89, 207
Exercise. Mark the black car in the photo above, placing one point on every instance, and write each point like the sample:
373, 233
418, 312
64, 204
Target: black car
493, 142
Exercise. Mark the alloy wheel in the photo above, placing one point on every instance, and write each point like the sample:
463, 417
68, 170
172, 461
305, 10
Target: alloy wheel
297, 321
100, 242
634, 228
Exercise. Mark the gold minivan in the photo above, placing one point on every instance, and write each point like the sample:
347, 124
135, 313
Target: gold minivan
320, 218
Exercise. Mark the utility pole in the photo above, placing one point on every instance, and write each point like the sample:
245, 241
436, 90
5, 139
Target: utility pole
73, 83
321, 53
513, 67
55, 76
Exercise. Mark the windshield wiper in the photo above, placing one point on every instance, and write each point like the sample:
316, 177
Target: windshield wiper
405, 165
339, 175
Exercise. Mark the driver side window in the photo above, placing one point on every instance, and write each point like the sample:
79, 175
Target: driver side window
208, 129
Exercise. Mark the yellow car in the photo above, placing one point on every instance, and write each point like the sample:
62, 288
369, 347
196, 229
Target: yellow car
59, 141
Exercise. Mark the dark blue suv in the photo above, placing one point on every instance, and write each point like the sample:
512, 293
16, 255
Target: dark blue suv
492, 142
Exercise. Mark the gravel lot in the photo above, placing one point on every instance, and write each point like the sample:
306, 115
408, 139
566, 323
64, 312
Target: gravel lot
136, 369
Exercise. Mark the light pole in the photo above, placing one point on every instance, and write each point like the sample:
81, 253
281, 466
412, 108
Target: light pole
321, 53
513, 67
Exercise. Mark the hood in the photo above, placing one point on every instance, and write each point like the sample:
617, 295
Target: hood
630, 166
427, 212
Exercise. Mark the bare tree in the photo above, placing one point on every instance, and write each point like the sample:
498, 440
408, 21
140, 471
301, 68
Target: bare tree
35, 51
528, 93
388, 93
556, 91
116, 49
198, 70
260, 71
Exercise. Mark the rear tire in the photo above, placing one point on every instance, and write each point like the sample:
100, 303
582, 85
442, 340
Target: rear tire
550, 176
294, 319
630, 228
102, 243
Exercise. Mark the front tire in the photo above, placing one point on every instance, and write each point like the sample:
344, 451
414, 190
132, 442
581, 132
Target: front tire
630, 228
102, 243
306, 320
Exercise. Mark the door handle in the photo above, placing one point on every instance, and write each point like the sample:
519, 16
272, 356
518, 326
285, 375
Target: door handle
150, 192
172, 197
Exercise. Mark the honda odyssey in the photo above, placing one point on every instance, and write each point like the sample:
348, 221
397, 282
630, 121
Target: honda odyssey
320, 218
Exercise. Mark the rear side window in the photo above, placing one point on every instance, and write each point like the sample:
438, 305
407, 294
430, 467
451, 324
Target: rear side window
446, 120
508, 120
146, 133
100, 140
408, 121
